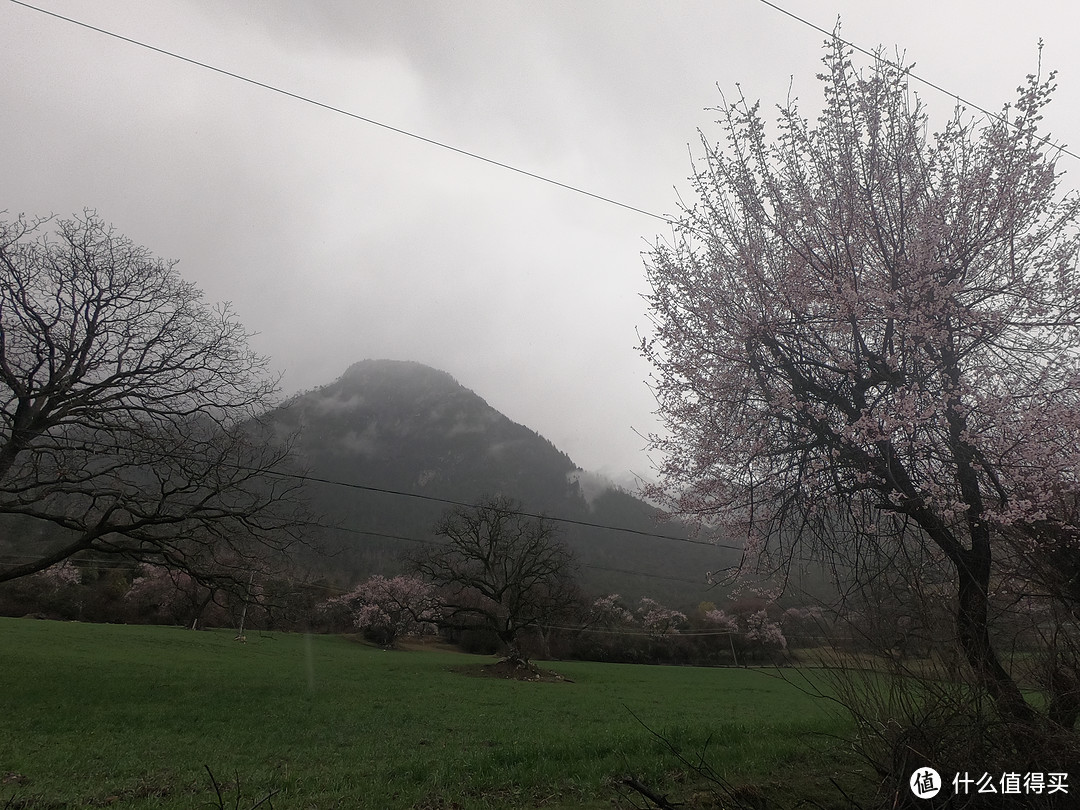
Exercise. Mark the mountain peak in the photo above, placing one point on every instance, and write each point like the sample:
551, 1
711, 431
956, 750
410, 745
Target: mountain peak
408, 425
395, 370
410, 391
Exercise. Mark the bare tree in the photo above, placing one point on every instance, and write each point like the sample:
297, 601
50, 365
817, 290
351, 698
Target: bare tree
129, 410
868, 334
500, 568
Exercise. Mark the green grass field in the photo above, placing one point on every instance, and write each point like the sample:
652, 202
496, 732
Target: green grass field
107, 715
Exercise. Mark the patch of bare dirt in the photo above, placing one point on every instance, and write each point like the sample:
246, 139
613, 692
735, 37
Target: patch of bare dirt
514, 671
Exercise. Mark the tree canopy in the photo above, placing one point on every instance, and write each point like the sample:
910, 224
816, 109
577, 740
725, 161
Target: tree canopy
499, 568
129, 409
866, 330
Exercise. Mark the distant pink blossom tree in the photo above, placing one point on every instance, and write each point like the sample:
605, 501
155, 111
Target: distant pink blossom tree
806, 626
158, 593
723, 621
763, 632
388, 609
62, 574
756, 632
658, 620
609, 611
865, 332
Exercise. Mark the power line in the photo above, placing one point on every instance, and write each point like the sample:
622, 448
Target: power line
471, 505
84, 444
643, 574
89, 443
104, 564
702, 581
521, 513
492, 161
670, 635
916, 77
341, 111
351, 530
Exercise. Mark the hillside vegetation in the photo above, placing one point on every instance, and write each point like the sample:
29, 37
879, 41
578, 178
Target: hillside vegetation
395, 425
386, 447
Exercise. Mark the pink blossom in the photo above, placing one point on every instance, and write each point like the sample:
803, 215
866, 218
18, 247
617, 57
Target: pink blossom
609, 611
761, 630
658, 620
391, 608
62, 574
723, 621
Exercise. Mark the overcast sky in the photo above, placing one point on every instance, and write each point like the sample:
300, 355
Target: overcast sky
337, 240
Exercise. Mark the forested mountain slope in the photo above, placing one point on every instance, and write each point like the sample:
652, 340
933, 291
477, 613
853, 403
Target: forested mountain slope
403, 426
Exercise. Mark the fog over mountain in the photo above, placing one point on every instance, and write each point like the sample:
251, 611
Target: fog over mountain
406, 427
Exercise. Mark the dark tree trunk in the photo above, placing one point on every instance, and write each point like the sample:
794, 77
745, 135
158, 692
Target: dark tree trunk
201, 608
1064, 708
973, 572
511, 648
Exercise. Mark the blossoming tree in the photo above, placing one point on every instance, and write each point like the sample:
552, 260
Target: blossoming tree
608, 612
389, 608
659, 621
866, 327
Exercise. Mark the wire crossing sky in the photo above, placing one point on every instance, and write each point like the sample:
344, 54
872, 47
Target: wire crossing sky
465, 152
340, 111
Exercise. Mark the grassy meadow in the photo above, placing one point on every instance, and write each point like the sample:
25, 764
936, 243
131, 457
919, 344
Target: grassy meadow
126, 716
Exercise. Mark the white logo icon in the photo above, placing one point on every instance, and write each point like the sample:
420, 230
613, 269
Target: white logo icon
925, 783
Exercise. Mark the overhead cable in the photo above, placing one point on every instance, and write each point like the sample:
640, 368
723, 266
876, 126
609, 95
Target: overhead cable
877, 56
341, 111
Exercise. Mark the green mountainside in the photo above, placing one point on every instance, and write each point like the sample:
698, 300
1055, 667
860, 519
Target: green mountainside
394, 425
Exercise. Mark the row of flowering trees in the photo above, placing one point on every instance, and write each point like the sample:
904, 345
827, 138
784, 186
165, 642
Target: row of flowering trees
754, 626
151, 594
748, 630
144, 594
386, 609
